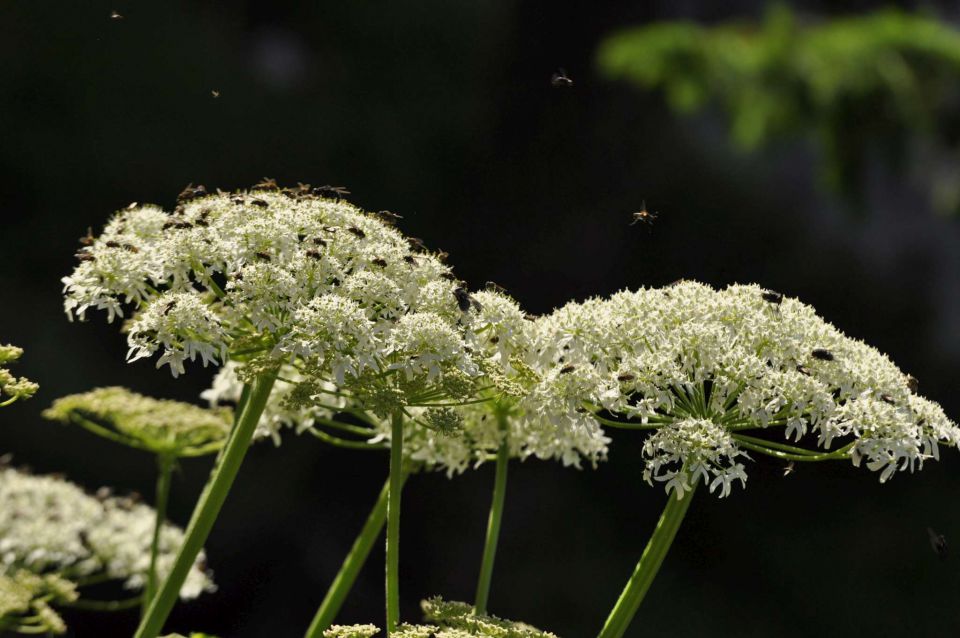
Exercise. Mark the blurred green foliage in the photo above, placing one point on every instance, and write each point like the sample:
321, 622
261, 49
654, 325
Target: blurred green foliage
887, 83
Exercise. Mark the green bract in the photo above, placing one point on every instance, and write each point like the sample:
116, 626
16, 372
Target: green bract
159, 426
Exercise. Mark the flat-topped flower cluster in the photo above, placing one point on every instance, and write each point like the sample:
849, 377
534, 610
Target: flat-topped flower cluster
51, 525
276, 274
699, 365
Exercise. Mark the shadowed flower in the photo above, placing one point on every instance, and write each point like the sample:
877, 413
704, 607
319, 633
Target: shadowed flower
48, 524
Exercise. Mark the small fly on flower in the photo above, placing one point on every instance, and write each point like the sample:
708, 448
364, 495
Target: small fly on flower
644, 215
560, 79
266, 184
567, 369
912, 384
775, 298
388, 217
191, 192
87, 240
938, 542
822, 354
335, 191
465, 300
493, 286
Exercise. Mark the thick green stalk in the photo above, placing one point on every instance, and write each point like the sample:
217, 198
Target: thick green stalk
496, 515
164, 471
393, 522
352, 564
623, 612
208, 507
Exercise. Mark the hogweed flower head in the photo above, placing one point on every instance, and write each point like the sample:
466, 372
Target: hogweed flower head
48, 524
274, 276
158, 425
27, 599
10, 386
457, 425
447, 620
699, 367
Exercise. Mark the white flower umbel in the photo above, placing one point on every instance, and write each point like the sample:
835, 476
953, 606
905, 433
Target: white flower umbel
273, 277
700, 367
697, 369
11, 387
49, 525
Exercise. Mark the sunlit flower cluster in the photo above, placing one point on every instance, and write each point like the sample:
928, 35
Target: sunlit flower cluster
274, 275
447, 620
699, 366
11, 387
160, 426
48, 525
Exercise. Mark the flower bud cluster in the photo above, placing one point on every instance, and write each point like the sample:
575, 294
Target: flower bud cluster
27, 599
447, 620
10, 386
158, 425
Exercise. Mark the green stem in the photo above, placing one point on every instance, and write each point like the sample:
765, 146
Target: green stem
352, 564
164, 470
338, 442
496, 515
840, 453
656, 550
393, 522
208, 507
105, 605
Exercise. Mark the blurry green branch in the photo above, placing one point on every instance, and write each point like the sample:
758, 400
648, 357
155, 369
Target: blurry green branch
886, 82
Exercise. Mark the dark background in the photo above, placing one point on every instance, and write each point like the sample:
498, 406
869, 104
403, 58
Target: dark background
443, 112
